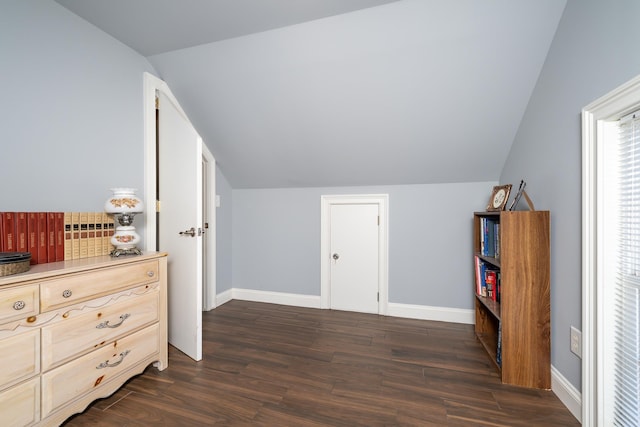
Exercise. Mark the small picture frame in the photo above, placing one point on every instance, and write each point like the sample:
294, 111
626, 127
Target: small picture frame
499, 197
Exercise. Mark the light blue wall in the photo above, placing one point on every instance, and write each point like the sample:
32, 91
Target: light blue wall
594, 51
276, 240
71, 121
224, 234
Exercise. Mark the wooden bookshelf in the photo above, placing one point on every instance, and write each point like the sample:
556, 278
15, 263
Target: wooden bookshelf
523, 312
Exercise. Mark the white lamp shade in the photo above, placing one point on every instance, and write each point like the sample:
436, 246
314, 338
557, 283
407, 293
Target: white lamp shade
124, 200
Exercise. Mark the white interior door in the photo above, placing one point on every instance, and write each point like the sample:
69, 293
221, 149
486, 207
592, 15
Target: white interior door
180, 196
354, 257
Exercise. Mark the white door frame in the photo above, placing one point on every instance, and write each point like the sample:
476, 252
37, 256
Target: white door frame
382, 200
209, 291
151, 84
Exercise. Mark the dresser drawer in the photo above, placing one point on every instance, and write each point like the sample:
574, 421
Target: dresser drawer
63, 384
18, 303
81, 287
19, 358
81, 331
20, 405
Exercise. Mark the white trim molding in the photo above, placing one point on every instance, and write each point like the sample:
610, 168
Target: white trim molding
382, 200
407, 311
617, 103
567, 393
440, 314
297, 300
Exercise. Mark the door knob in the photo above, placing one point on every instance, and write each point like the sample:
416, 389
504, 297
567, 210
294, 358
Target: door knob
191, 232
336, 256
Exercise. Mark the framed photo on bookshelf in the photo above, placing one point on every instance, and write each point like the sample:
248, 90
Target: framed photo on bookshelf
499, 197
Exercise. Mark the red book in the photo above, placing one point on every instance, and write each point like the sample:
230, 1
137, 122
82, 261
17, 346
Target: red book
1, 233
22, 239
51, 237
42, 237
9, 232
491, 284
32, 233
59, 231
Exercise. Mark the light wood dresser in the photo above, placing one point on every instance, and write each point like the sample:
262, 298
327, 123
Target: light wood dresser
75, 331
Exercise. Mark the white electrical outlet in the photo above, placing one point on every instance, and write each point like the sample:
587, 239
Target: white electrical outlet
576, 342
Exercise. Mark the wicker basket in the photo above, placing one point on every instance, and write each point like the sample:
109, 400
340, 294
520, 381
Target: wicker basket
14, 262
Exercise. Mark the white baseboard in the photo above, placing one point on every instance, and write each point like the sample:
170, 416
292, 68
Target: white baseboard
224, 297
567, 393
308, 301
442, 314
425, 312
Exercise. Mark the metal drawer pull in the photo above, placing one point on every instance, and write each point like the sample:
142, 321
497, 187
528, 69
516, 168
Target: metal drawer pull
66, 293
106, 364
18, 305
107, 325
150, 273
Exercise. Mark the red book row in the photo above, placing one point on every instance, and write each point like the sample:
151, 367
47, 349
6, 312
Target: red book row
56, 236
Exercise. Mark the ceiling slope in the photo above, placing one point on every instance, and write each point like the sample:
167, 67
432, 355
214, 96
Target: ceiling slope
156, 26
409, 92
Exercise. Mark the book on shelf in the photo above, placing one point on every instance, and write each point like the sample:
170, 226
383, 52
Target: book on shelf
478, 279
59, 235
84, 234
483, 282
51, 237
97, 245
75, 235
490, 278
91, 234
56, 236
487, 279
41, 219
32, 236
22, 236
68, 242
489, 237
8, 232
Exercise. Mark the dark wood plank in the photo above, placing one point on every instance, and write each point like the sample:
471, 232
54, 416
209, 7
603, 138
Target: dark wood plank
273, 365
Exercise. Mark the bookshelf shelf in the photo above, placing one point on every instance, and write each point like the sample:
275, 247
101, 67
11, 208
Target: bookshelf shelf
514, 326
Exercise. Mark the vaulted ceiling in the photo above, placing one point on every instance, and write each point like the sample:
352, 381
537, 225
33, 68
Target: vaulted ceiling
298, 93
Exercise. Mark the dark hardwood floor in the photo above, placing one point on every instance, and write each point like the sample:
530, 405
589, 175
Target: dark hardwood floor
273, 365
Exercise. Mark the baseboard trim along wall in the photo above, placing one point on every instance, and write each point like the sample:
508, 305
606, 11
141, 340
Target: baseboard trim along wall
425, 312
422, 312
308, 301
567, 393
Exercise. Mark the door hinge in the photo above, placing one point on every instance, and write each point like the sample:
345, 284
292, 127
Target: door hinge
378, 219
378, 299
157, 103
157, 205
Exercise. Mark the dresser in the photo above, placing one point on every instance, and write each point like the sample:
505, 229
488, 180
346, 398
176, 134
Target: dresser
75, 331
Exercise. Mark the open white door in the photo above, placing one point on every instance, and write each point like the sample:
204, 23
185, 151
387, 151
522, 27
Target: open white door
179, 222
